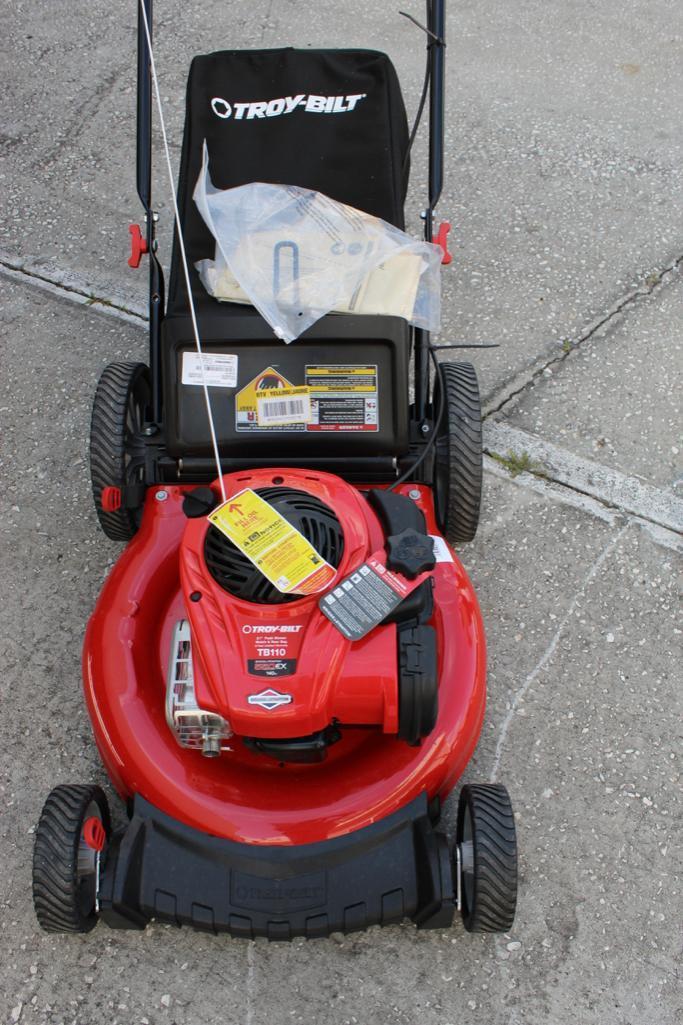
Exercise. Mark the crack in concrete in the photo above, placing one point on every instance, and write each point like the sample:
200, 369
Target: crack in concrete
546, 477
599, 508
594, 486
521, 382
549, 652
43, 279
84, 115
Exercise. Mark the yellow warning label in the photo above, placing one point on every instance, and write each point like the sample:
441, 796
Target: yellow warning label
246, 404
340, 379
343, 371
274, 546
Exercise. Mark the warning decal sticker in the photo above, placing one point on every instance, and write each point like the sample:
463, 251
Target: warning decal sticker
266, 384
275, 547
333, 397
343, 398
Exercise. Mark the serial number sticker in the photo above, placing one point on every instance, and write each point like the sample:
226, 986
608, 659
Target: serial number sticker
220, 369
283, 406
273, 545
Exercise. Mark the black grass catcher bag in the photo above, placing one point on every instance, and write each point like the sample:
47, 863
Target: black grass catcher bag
329, 120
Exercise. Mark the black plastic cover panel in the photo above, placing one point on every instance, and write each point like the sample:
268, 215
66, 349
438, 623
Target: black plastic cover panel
158, 868
356, 367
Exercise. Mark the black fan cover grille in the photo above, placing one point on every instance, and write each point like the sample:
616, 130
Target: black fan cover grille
237, 575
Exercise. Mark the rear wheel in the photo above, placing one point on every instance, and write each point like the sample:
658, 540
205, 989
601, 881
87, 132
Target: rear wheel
74, 823
487, 858
117, 443
458, 455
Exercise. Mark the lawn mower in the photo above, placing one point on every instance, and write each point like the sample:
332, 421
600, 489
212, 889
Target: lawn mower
283, 754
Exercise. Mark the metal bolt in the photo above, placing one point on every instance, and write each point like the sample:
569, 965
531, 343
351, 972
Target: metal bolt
424, 428
161, 496
211, 745
414, 494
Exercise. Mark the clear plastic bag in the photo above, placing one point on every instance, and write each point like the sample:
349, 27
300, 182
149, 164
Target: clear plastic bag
296, 255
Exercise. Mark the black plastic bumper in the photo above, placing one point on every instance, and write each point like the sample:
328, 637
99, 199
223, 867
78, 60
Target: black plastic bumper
158, 868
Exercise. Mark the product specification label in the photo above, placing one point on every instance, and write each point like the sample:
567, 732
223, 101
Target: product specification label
367, 597
220, 369
344, 397
271, 649
273, 545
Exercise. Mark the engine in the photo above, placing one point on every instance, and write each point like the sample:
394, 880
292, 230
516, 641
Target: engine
250, 663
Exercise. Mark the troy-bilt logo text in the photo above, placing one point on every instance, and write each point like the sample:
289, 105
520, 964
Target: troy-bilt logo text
311, 103
294, 629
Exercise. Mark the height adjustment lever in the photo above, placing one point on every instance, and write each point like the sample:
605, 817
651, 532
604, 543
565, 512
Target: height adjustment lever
441, 239
138, 245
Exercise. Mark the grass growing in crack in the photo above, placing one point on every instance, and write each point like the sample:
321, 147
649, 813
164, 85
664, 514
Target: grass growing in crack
519, 462
566, 345
96, 300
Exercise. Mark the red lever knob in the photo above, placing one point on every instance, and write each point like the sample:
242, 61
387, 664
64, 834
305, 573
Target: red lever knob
138, 245
441, 239
110, 499
94, 833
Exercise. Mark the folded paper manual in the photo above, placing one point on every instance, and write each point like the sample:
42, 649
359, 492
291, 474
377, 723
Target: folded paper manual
296, 255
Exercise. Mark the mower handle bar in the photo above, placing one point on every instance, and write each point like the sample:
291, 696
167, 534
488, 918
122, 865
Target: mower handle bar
436, 58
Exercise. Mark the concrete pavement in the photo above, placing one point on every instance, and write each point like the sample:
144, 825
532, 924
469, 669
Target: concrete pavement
564, 186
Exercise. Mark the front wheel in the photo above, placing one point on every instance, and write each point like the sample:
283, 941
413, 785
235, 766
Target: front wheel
486, 849
73, 829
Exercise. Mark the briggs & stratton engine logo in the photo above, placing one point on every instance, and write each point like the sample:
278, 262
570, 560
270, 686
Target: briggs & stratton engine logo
269, 699
310, 103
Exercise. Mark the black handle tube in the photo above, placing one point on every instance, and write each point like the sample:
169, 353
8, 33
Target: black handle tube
436, 10
144, 113
436, 102
144, 186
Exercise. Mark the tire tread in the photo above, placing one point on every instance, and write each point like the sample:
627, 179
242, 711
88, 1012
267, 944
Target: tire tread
495, 857
55, 855
107, 428
464, 451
